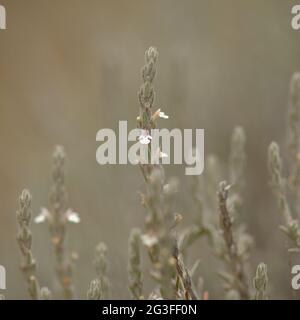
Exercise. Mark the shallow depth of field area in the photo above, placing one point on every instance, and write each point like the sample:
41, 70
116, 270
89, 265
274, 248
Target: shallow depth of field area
73, 229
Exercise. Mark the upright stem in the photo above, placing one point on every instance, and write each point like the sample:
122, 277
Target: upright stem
58, 199
235, 261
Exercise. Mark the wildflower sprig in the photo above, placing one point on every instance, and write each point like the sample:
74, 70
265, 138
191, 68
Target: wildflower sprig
294, 133
158, 237
134, 265
260, 282
220, 229
278, 184
236, 279
237, 170
101, 265
147, 117
146, 94
99, 288
57, 218
184, 276
24, 238
94, 291
159, 196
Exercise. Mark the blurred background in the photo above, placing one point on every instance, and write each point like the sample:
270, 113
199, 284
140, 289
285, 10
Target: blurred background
71, 67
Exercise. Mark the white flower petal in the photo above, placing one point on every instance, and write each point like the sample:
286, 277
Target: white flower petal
163, 155
149, 240
43, 215
39, 219
163, 115
144, 141
145, 138
72, 216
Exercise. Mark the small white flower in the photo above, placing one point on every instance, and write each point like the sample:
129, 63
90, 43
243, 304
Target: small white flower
72, 216
145, 138
149, 240
43, 216
163, 115
163, 155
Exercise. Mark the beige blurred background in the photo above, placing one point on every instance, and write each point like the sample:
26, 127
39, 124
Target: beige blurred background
71, 67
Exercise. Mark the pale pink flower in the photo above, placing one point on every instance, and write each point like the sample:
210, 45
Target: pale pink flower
145, 137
